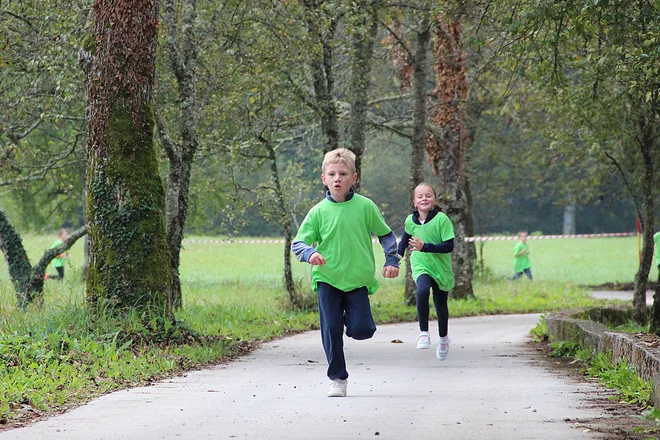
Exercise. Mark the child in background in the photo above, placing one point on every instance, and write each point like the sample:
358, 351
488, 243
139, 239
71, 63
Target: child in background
521, 263
340, 227
430, 234
60, 260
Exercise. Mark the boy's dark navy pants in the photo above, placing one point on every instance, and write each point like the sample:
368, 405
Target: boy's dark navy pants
336, 309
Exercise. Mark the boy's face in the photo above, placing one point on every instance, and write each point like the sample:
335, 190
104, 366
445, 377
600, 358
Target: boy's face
424, 198
523, 237
338, 178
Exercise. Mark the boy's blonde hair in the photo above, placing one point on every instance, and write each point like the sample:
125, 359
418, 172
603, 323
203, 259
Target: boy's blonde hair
340, 155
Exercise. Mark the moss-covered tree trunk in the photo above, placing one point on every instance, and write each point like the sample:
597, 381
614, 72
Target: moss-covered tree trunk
17, 260
129, 258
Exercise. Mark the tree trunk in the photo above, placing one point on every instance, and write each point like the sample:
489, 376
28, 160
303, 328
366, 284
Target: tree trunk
129, 258
411, 72
17, 261
28, 281
322, 75
646, 140
569, 219
285, 218
85, 59
655, 309
447, 153
363, 47
182, 55
419, 136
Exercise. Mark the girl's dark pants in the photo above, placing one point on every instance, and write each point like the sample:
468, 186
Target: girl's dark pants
425, 284
336, 309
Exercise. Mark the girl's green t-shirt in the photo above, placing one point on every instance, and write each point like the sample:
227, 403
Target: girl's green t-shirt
435, 265
342, 233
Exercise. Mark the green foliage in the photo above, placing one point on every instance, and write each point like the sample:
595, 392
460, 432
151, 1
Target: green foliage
631, 327
622, 377
563, 348
540, 331
42, 109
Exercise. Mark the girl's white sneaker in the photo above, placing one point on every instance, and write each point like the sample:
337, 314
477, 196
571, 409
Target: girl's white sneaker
443, 348
423, 340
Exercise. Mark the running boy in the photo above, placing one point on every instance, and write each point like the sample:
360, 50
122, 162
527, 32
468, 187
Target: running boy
343, 260
521, 263
430, 234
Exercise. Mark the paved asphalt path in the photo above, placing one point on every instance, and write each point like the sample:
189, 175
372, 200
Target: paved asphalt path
623, 295
490, 388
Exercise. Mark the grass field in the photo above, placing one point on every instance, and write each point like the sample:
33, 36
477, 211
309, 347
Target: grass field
583, 261
242, 274
62, 354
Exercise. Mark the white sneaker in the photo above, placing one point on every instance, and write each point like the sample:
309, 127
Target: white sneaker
424, 340
443, 348
337, 388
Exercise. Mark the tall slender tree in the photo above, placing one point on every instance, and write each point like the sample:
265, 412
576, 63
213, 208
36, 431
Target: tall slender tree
181, 46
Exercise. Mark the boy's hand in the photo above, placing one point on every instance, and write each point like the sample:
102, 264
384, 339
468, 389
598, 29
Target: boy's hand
390, 272
316, 259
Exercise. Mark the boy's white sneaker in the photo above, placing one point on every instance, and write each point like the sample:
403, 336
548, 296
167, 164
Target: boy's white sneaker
423, 340
338, 388
443, 348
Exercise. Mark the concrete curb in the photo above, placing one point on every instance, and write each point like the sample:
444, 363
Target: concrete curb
584, 326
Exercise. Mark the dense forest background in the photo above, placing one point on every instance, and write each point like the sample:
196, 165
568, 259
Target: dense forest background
527, 165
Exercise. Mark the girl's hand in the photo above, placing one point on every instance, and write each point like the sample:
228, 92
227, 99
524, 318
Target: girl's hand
316, 259
416, 243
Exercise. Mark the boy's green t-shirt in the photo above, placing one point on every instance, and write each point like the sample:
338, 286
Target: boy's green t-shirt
521, 262
342, 232
435, 265
57, 262
656, 240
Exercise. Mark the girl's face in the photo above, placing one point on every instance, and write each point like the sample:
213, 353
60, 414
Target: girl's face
424, 198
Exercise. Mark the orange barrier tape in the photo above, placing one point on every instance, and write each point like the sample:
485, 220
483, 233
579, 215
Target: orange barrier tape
468, 239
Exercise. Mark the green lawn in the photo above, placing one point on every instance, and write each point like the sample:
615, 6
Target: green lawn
583, 261
62, 354
244, 274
